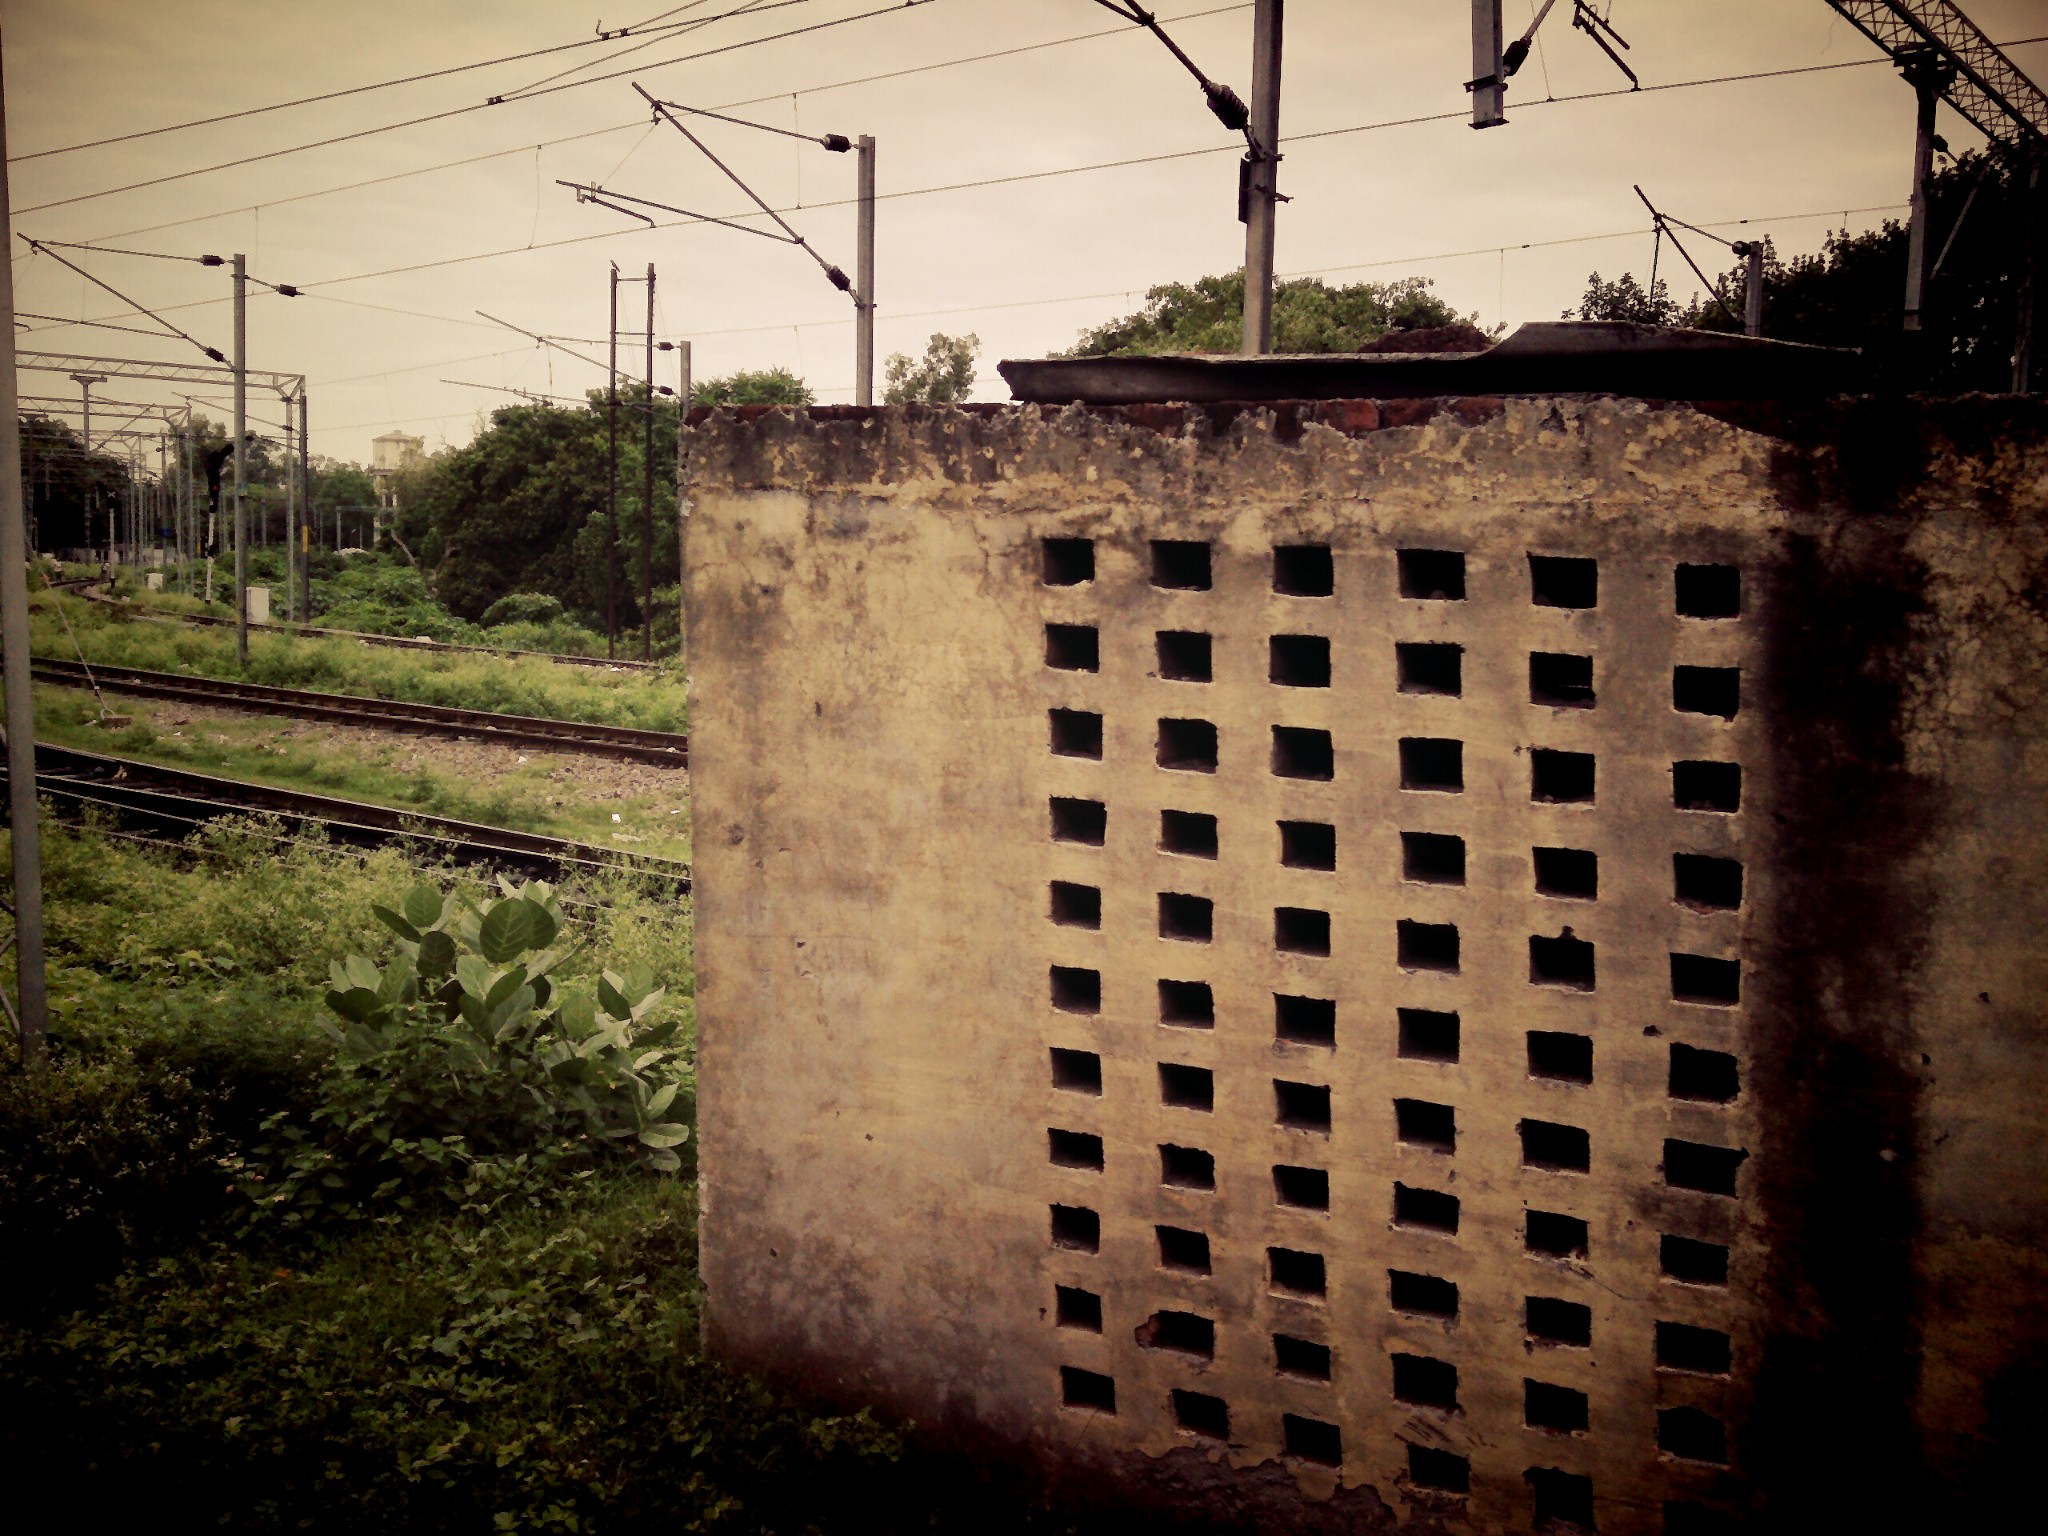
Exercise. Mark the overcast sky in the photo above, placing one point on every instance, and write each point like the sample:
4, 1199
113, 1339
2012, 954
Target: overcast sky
1507, 223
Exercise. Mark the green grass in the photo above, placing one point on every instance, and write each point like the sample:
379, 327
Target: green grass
518, 686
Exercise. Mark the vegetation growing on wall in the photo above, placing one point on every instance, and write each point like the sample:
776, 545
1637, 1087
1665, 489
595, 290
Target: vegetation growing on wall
1309, 315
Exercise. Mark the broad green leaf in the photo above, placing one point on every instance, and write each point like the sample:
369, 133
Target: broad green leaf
611, 999
504, 986
423, 906
356, 1003
437, 953
509, 929
578, 1014
475, 976
361, 973
501, 1014
667, 1134
395, 923
546, 923
663, 1097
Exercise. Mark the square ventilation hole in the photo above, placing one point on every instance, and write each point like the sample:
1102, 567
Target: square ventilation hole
1077, 1071
1695, 1165
1429, 668
1301, 1106
1549, 1320
1545, 1406
1185, 1087
1711, 1076
1428, 1210
1181, 564
1433, 858
1425, 1034
1560, 681
1294, 1272
1191, 919
1187, 1004
1201, 1414
1087, 1389
1077, 1309
1303, 570
1560, 1057
1425, 1382
1079, 821
1074, 1149
1573, 873
1077, 1228
1301, 931
1076, 906
1706, 884
1423, 1295
1433, 763
1701, 1351
1301, 1358
1440, 1471
1693, 1435
1304, 1189
1308, 845
1182, 1332
1707, 691
1553, 1235
1191, 834
1076, 989
1073, 647
1067, 562
1709, 591
1560, 1501
1559, 1148
1182, 1249
1304, 1020
1420, 1123
1434, 574
1183, 655
1703, 979
1692, 1262
1426, 946
1188, 746
1561, 778
1706, 786
1075, 733
1312, 1440
1299, 661
1564, 581
1564, 961
1301, 752
1187, 1168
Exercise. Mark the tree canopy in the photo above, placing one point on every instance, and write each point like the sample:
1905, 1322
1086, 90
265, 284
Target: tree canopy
1309, 315
759, 386
943, 375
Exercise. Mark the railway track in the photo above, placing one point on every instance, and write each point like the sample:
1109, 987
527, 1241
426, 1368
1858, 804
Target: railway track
174, 802
662, 747
403, 642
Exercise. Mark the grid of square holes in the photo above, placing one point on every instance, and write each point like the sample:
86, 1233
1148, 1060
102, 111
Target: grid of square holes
1152, 1078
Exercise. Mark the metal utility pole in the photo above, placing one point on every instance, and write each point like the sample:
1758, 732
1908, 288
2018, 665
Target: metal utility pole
85, 382
1928, 74
864, 276
1752, 254
303, 554
647, 492
291, 511
32, 1021
241, 431
2029, 181
1262, 175
611, 427
1488, 84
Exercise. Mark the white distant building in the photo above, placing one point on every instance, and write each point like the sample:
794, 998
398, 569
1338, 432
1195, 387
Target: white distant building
389, 454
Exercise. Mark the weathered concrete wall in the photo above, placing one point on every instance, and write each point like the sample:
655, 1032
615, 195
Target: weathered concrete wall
955, 810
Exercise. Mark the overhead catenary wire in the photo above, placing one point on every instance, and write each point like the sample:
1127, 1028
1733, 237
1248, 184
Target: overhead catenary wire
212, 352
435, 117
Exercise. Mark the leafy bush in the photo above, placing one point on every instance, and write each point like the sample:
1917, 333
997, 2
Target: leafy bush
466, 1070
522, 608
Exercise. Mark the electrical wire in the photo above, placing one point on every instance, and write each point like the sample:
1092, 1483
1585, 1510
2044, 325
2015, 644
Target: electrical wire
358, 90
442, 116
753, 7
38, 246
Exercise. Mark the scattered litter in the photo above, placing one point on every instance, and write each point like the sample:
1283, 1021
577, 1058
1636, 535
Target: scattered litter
617, 817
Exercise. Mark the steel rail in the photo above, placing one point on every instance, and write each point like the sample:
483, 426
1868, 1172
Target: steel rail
665, 748
170, 799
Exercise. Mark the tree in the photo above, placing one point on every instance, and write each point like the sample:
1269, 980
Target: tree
760, 386
946, 374
1309, 315
1626, 299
